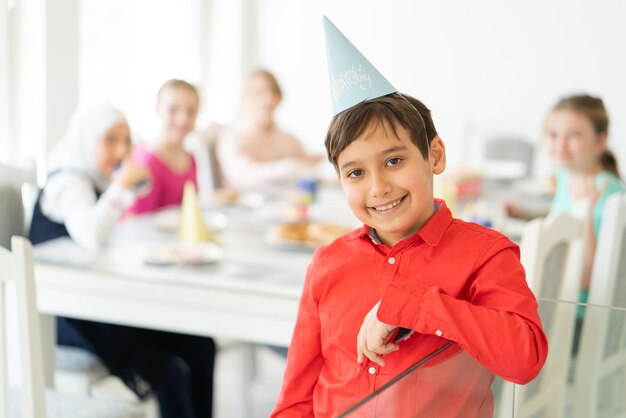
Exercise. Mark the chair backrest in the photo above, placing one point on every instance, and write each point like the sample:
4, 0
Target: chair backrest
209, 137
18, 175
508, 158
602, 354
11, 214
17, 266
18, 187
552, 255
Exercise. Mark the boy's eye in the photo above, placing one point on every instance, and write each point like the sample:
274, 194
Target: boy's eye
393, 161
355, 173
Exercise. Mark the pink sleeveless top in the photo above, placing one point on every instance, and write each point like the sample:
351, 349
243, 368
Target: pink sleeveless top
166, 186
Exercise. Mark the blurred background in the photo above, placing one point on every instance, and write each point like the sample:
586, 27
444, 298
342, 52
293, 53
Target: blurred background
487, 69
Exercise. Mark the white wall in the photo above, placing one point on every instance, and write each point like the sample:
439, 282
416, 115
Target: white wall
4, 80
485, 67
42, 70
129, 48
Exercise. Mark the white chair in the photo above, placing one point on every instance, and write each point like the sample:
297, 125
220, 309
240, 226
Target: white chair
552, 251
18, 174
18, 187
508, 159
204, 149
75, 370
17, 266
11, 214
600, 380
552, 255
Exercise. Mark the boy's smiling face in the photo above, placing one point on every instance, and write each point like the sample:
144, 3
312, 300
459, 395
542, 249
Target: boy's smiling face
388, 183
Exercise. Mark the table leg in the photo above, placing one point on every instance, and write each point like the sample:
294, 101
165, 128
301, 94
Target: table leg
246, 354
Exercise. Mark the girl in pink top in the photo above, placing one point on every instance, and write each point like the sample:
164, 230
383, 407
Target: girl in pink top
170, 165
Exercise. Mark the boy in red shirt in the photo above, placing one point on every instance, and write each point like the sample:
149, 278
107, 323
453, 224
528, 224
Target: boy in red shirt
410, 266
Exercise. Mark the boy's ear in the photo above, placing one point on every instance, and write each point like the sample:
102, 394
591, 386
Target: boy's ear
437, 155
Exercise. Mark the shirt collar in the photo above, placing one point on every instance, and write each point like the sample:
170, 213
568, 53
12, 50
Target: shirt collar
431, 233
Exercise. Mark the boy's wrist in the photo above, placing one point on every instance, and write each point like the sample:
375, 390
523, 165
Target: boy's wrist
397, 304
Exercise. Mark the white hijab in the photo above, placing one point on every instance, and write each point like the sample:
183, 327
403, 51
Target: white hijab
76, 149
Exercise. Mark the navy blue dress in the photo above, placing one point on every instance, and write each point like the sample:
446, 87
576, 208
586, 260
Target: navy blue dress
177, 368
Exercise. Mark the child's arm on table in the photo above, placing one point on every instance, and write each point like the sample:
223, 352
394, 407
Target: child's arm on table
499, 325
69, 198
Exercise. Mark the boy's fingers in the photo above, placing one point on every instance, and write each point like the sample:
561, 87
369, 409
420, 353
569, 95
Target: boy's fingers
359, 349
360, 344
386, 348
375, 358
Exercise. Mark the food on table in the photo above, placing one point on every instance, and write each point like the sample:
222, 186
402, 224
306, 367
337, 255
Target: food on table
225, 196
310, 232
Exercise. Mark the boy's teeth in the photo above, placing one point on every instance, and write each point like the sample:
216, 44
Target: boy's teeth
389, 206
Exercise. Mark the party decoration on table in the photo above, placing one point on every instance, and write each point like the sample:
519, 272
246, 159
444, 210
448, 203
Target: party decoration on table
461, 188
303, 197
193, 228
353, 79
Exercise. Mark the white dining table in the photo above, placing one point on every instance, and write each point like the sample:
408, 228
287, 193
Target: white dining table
250, 296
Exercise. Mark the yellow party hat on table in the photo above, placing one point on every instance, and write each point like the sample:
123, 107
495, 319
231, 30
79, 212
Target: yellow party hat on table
192, 225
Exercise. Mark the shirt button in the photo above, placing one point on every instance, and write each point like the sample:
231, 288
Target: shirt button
391, 260
371, 370
438, 333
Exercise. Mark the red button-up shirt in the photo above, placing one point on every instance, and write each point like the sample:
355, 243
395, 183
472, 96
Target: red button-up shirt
450, 281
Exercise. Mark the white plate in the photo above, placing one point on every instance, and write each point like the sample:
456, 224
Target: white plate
185, 253
250, 200
168, 220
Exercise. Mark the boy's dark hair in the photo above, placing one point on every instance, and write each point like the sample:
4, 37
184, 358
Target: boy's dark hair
395, 109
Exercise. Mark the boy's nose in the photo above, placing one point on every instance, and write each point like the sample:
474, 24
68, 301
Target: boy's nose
379, 186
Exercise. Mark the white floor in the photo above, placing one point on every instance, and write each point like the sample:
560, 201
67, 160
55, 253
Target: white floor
264, 385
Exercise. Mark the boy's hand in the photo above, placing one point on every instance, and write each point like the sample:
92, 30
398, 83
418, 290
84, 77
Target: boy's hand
372, 339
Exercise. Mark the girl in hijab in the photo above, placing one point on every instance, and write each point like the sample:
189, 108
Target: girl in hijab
90, 185
90, 181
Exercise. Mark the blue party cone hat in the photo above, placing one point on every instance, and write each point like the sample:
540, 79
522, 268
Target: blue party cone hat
353, 79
